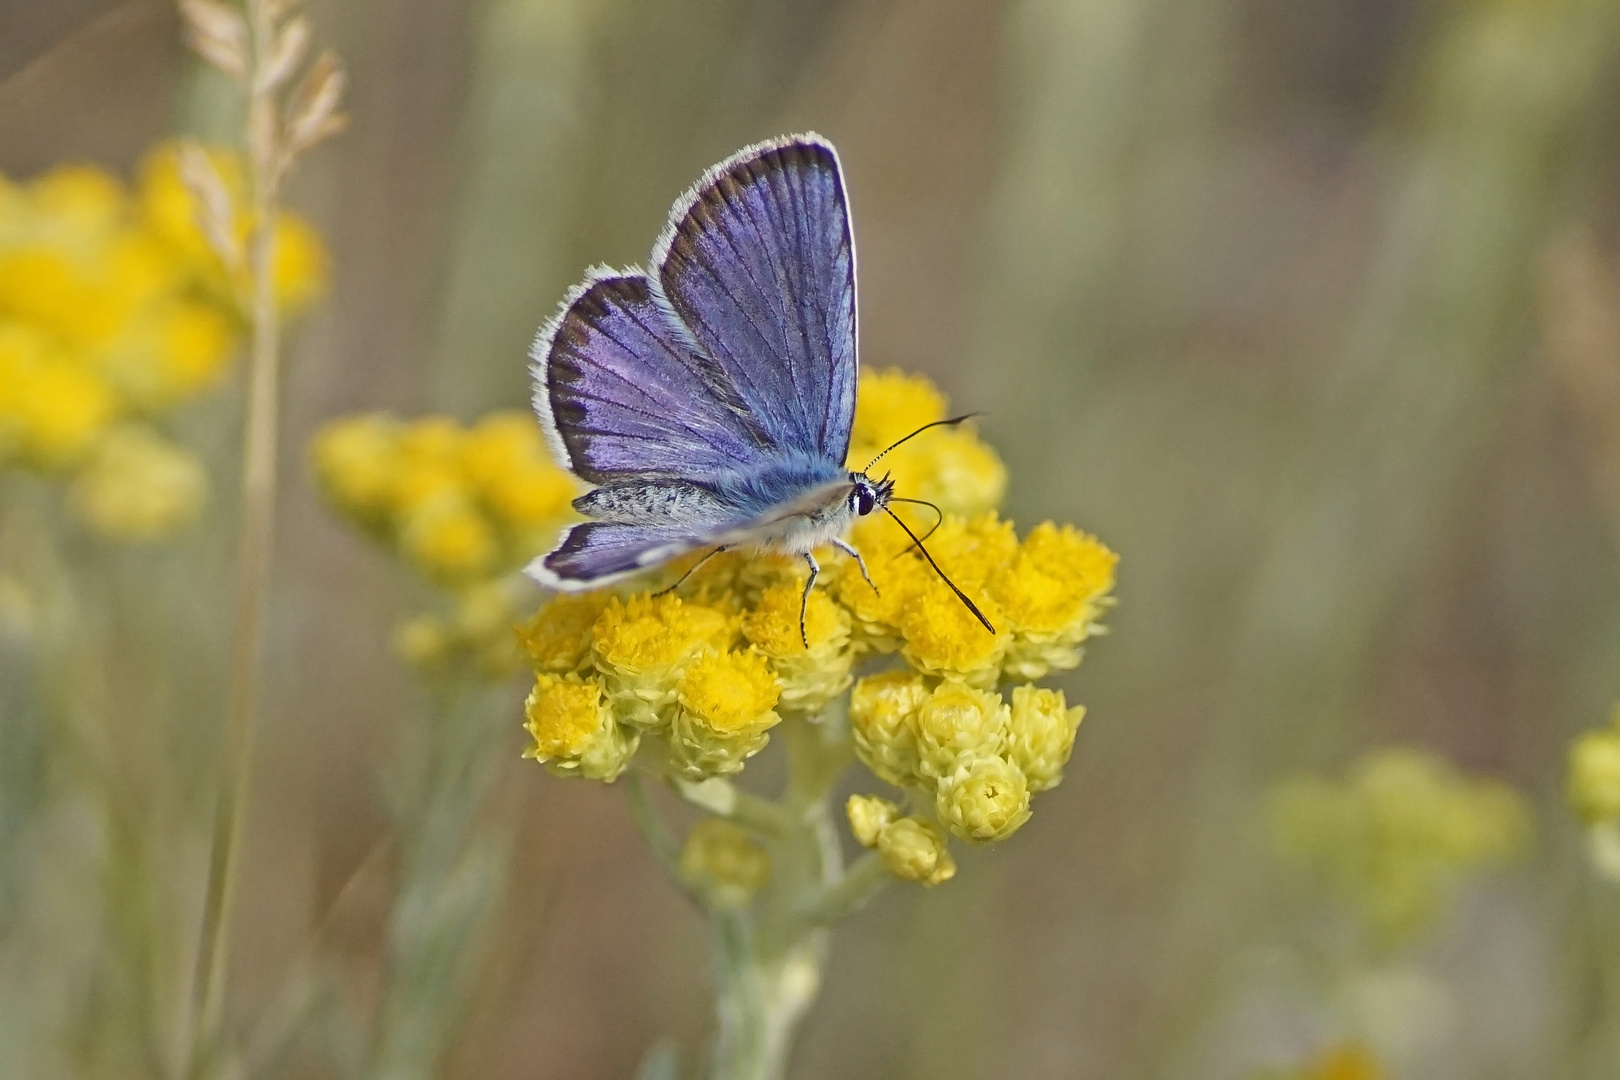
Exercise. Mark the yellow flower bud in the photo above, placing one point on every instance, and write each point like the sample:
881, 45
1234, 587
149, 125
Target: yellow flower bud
868, 817
1594, 776
574, 731
727, 705
725, 863
956, 726
1041, 734
138, 487
914, 850
984, 801
882, 709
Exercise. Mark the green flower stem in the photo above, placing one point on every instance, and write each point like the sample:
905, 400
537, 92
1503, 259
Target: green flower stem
768, 958
723, 798
864, 878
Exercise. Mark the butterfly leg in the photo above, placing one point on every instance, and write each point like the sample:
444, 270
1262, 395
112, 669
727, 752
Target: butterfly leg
843, 545
690, 570
804, 601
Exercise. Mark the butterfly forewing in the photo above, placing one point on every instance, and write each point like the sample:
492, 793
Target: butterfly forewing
624, 392
759, 264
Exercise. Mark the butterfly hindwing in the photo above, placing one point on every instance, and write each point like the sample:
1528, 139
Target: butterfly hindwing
758, 262
621, 391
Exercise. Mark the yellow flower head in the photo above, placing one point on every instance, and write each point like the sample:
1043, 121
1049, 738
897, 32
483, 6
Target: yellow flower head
1052, 594
812, 677
882, 715
727, 705
914, 850
643, 645
574, 731
868, 817
957, 726
457, 503
138, 487
889, 406
984, 801
1041, 734
1594, 776
725, 863
557, 638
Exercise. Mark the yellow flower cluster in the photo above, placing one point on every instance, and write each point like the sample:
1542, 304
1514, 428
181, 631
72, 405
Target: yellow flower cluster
701, 673
1393, 837
114, 308
473, 632
971, 757
460, 504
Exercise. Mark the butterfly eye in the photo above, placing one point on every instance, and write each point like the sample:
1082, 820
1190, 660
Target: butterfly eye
864, 500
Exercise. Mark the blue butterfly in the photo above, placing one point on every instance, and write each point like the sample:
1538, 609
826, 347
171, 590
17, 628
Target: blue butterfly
709, 400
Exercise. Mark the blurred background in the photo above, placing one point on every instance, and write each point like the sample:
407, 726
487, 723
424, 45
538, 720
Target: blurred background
1307, 309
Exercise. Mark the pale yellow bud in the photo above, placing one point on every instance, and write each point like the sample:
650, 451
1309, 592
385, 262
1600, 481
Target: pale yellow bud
1594, 776
958, 724
868, 817
724, 862
1041, 734
881, 711
421, 641
984, 801
914, 850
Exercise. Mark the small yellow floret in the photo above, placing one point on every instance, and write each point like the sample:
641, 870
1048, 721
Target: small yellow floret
889, 405
725, 863
868, 817
914, 850
984, 801
558, 637
958, 725
882, 717
727, 706
574, 731
139, 487
730, 692
811, 677
1041, 734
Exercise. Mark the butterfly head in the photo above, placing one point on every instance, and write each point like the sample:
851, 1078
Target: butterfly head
867, 495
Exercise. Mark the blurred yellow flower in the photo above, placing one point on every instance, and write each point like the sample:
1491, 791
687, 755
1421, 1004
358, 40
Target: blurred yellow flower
724, 862
1394, 836
458, 503
1594, 776
138, 487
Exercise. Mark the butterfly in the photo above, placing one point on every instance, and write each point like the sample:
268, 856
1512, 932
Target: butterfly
709, 399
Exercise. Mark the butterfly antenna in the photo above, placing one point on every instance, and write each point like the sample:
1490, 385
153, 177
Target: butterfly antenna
937, 423
939, 518
960, 595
